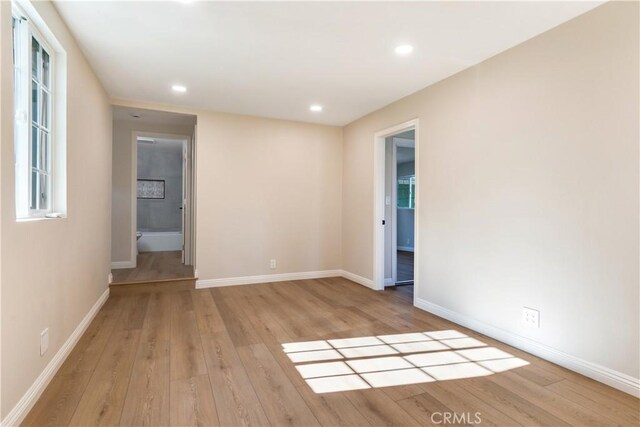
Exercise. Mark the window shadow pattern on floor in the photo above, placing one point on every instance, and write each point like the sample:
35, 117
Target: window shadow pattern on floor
359, 363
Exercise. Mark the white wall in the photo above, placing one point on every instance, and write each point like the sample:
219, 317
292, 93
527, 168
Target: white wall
54, 270
529, 188
267, 189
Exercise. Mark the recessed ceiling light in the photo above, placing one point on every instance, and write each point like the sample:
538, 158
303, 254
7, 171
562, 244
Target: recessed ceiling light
179, 88
404, 49
315, 108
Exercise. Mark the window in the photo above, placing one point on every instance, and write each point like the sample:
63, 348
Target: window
407, 192
34, 137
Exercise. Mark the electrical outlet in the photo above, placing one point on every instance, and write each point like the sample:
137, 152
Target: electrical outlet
44, 341
531, 317
273, 264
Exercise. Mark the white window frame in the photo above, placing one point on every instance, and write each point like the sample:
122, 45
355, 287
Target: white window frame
412, 189
32, 27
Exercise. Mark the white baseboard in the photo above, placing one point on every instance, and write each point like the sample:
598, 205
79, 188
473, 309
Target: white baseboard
597, 372
389, 282
358, 279
405, 248
24, 405
266, 278
122, 264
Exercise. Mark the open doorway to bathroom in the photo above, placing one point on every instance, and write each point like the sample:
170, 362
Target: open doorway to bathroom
158, 196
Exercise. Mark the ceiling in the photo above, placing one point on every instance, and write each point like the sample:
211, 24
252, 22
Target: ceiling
142, 115
274, 59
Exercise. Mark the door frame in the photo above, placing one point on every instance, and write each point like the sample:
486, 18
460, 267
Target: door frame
379, 139
187, 231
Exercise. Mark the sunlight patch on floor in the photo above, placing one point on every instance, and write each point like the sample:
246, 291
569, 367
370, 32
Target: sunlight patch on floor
358, 363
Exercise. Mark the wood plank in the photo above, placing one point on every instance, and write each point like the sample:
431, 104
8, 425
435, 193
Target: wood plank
552, 402
239, 327
280, 399
610, 406
428, 410
192, 402
154, 267
455, 396
234, 392
85, 355
187, 358
59, 401
151, 288
157, 323
147, 401
332, 409
103, 400
511, 404
135, 317
207, 315
379, 410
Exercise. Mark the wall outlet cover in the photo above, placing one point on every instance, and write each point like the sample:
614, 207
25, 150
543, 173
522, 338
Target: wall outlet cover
531, 317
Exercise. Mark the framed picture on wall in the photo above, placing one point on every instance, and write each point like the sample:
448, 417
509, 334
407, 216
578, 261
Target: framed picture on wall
151, 189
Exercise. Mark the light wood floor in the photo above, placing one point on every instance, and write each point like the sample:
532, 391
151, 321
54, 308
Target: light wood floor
154, 266
169, 355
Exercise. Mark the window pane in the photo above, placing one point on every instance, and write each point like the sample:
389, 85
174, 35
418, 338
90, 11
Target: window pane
44, 191
45, 68
34, 102
35, 132
33, 204
14, 26
412, 202
404, 192
44, 151
44, 112
35, 56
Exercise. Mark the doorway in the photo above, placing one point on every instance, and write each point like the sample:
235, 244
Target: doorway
158, 233
396, 206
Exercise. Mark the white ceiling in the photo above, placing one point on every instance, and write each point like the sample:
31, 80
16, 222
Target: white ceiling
142, 115
274, 59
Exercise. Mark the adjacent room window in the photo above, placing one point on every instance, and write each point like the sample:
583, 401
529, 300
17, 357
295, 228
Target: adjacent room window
34, 101
407, 192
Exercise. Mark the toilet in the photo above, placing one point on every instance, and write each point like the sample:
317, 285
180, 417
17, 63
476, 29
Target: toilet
138, 236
